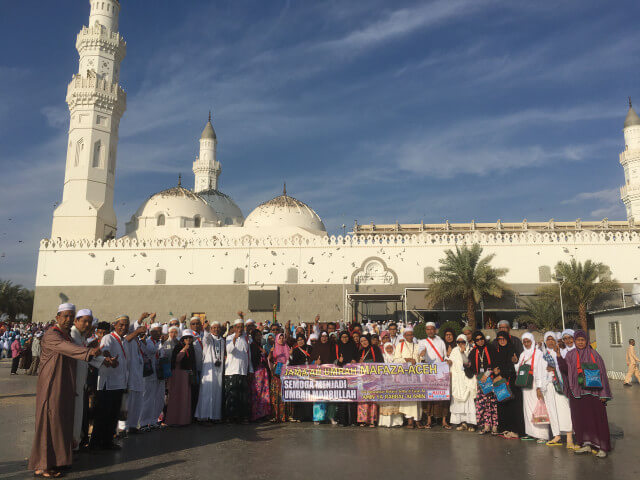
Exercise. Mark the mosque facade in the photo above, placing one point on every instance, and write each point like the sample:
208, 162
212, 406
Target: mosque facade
191, 250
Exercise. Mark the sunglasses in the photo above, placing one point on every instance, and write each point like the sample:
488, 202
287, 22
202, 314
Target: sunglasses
479, 339
461, 341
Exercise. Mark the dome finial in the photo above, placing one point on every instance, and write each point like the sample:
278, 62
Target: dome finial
284, 190
210, 112
630, 102
179, 179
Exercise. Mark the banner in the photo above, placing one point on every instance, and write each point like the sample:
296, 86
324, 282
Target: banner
366, 382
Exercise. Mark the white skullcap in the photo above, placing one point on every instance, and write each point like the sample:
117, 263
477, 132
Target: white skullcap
188, 333
568, 332
215, 322
249, 321
194, 318
324, 333
63, 307
171, 329
85, 312
155, 325
165, 329
430, 324
407, 329
173, 319
238, 321
313, 336
504, 322
549, 334
461, 337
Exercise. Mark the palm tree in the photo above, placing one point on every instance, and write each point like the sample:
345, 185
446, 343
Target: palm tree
582, 284
543, 311
464, 274
15, 300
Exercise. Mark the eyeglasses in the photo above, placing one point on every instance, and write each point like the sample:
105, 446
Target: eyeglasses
479, 339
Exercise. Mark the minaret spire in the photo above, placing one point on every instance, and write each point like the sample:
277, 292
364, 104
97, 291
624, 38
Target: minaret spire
206, 168
630, 106
284, 190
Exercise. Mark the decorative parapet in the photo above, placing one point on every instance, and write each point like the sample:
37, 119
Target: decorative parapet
100, 37
425, 239
95, 91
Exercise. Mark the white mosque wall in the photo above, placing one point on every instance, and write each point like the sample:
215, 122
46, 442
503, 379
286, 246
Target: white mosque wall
320, 260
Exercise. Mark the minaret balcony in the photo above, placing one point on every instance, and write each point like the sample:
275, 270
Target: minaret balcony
103, 39
92, 90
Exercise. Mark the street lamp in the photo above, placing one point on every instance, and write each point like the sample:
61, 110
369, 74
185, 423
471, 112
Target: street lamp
560, 281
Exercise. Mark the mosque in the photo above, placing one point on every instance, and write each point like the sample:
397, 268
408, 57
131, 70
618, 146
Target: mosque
192, 251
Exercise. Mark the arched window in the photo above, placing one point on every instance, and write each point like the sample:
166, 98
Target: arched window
161, 276
97, 154
196, 221
79, 149
108, 277
292, 275
160, 220
228, 221
238, 275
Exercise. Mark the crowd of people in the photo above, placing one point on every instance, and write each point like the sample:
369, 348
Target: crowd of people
21, 343
100, 381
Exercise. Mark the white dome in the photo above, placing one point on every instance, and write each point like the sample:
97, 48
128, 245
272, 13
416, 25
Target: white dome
284, 211
224, 207
169, 210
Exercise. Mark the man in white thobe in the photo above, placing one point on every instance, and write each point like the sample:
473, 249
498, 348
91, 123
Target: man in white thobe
210, 399
409, 352
153, 397
135, 379
434, 350
79, 331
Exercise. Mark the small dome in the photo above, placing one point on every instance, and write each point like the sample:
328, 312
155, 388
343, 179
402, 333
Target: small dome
632, 118
285, 211
208, 132
225, 208
172, 209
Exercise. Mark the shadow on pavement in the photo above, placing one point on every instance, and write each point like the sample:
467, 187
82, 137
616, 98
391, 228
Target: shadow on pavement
172, 440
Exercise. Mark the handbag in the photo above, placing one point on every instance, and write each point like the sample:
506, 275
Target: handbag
540, 414
589, 373
502, 391
524, 378
486, 386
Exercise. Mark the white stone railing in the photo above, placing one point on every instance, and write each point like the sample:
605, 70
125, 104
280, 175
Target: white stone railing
426, 239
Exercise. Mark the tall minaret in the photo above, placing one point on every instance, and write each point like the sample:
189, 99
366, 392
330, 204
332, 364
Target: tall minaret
96, 104
630, 160
206, 168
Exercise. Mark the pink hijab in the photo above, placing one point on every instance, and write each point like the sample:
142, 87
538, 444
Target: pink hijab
281, 352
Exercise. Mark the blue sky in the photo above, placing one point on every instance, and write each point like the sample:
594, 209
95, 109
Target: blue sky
373, 110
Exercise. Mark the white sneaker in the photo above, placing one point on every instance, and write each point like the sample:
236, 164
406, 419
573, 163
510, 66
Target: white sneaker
601, 454
585, 449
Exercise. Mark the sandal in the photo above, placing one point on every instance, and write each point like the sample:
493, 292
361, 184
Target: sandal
48, 474
447, 427
551, 443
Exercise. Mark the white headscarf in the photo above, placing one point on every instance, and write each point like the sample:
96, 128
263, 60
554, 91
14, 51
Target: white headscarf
388, 357
527, 353
570, 333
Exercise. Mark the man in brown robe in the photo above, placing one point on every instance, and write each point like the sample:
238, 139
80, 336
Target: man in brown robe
55, 396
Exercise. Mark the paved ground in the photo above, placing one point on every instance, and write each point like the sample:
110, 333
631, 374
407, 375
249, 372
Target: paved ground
309, 452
